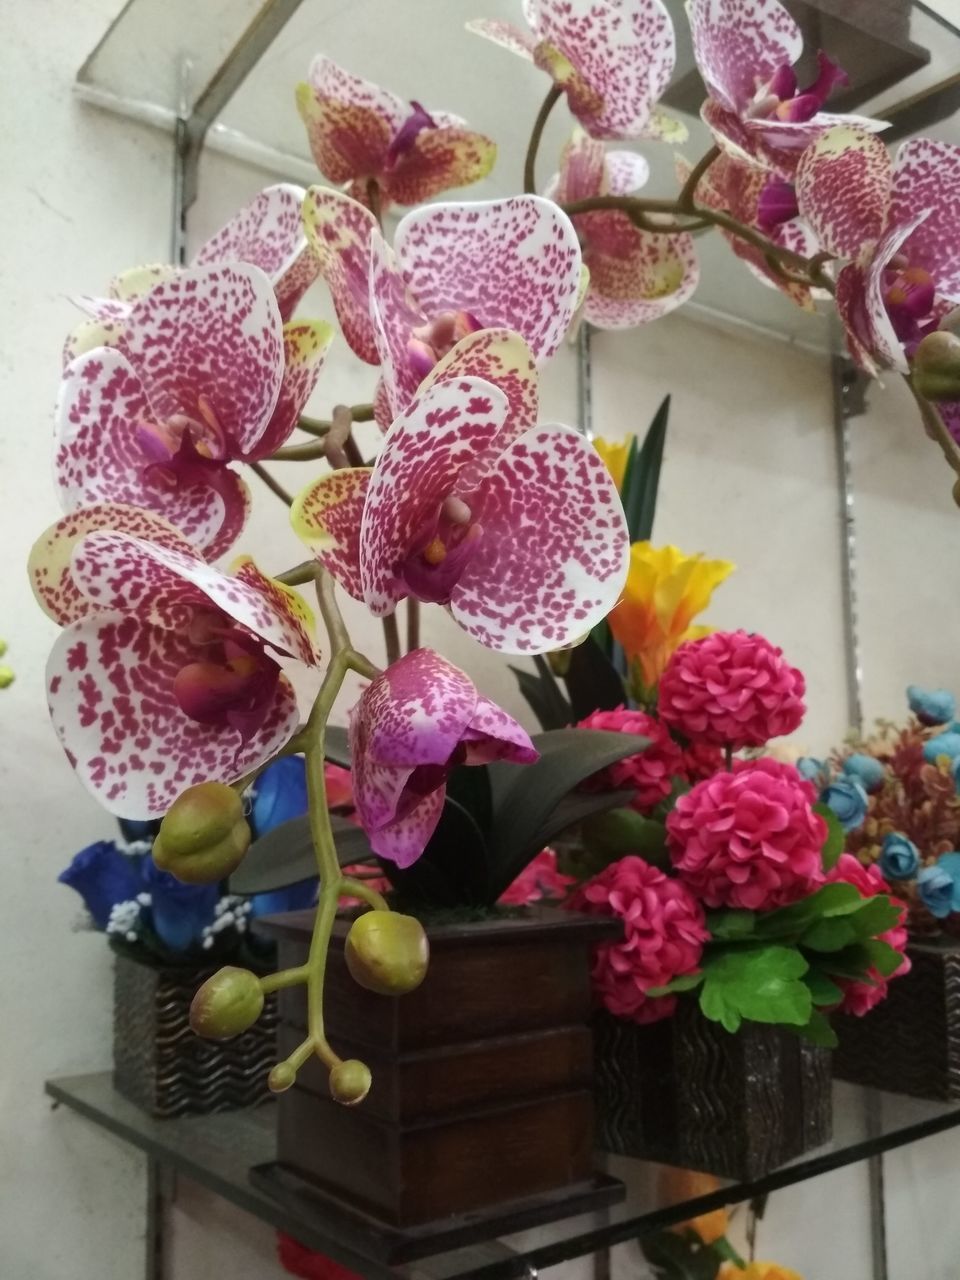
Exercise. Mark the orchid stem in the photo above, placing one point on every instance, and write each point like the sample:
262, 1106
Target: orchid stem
299, 575
530, 162
413, 624
300, 452
936, 429
391, 638
686, 200
283, 978
313, 426
271, 484
352, 887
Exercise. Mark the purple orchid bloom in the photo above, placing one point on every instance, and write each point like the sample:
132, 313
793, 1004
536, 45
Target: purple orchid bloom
745, 51
412, 725
896, 223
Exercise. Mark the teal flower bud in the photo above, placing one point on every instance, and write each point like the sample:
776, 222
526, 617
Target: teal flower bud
227, 1004
204, 835
387, 952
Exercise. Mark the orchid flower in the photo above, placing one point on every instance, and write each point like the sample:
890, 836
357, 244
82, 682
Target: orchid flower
361, 134
203, 373
612, 58
267, 233
897, 222
412, 725
517, 528
635, 276
745, 51
454, 269
161, 677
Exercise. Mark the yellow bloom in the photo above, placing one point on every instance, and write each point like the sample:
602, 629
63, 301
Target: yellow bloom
675, 1185
758, 1271
665, 591
614, 453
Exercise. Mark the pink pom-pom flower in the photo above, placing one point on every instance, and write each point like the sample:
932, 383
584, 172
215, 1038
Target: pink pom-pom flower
649, 774
749, 838
731, 688
860, 997
665, 931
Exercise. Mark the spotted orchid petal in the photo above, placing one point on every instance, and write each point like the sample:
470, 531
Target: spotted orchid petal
396, 316
871, 336
419, 465
583, 170
103, 309
49, 565
843, 189
437, 160
635, 276
739, 45
851, 308
345, 138
100, 456
626, 171
110, 687
333, 81
511, 264
268, 233
326, 517
89, 334
305, 345
779, 144
504, 359
340, 231
504, 34
136, 281
412, 724
207, 346
927, 176
555, 549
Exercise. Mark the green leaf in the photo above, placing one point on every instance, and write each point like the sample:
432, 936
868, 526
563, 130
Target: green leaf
336, 745
622, 831
873, 916
876, 916
543, 695
731, 926
727, 1253
790, 923
761, 983
687, 982
452, 870
469, 786
829, 935
641, 478
836, 837
822, 990
592, 681
852, 962
285, 856
817, 1031
884, 958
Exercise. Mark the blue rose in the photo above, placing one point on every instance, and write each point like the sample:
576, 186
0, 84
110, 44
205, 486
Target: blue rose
294, 897
944, 744
899, 857
281, 794
180, 912
950, 863
936, 888
931, 706
813, 770
103, 876
848, 800
867, 770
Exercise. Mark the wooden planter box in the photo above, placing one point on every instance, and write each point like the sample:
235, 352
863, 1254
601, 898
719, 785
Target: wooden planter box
911, 1042
686, 1092
481, 1097
160, 1064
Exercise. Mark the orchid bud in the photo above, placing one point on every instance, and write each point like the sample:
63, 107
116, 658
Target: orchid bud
227, 1004
387, 952
350, 1082
281, 1077
204, 835
936, 366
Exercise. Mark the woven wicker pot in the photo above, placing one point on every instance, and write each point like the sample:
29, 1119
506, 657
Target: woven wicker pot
911, 1042
685, 1092
160, 1064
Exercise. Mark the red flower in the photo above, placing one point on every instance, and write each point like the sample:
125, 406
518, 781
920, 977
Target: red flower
860, 997
538, 881
649, 773
309, 1265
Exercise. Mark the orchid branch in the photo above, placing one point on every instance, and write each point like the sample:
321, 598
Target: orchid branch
391, 638
530, 161
937, 430
273, 485
413, 624
686, 200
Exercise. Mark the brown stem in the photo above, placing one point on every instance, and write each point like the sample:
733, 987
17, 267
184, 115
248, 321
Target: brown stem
313, 426
533, 146
362, 412
300, 452
271, 484
413, 624
686, 200
352, 450
337, 437
300, 574
391, 637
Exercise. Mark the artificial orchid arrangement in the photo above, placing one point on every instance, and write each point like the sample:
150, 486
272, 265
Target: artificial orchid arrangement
168, 684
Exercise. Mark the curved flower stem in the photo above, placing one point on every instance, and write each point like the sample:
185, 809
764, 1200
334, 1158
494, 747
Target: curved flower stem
391, 638
413, 624
350, 886
300, 452
273, 485
686, 200
301, 573
530, 162
282, 978
937, 430
313, 426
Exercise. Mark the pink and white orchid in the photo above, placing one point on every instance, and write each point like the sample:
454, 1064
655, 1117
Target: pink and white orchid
897, 222
612, 58
413, 724
518, 528
635, 276
203, 373
267, 233
454, 269
161, 677
363, 135
745, 51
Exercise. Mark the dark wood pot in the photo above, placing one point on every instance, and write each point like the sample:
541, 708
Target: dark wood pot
481, 1097
686, 1092
911, 1042
160, 1064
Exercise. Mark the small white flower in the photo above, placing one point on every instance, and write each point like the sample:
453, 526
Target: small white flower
124, 917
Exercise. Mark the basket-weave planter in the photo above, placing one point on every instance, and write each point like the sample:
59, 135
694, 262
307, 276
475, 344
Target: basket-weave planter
911, 1042
686, 1092
160, 1064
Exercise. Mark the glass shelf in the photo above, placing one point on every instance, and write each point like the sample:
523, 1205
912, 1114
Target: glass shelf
219, 1151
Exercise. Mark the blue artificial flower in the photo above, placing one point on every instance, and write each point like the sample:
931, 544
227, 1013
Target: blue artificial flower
867, 770
936, 889
294, 897
813, 770
103, 876
134, 831
899, 857
931, 706
950, 863
944, 744
180, 912
848, 800
281, 794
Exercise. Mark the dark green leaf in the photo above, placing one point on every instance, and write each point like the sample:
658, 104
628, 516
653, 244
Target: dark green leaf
336, 745
452, 870
731, 926
543, 695
817, 1031
469, 787
830, 935
874, 916
761, 983
593, 683
642, 477
884, 958
852, 962
789, 923
822, 990
725, 1251
688, 982
836, 836
621, 831
285, 856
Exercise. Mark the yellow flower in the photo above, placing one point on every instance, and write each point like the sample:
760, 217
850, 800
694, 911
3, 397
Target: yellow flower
758, 1271
675, 1185
665, 591
615, 454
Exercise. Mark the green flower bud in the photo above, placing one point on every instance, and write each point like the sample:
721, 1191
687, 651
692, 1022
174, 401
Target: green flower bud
226, 1004
281, 1077
204, 835
936, 366
387, 952
6, 677
350, 1082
